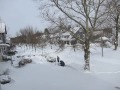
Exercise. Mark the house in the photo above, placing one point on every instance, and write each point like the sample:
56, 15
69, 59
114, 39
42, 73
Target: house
97, 34
78, 35
3, 46
107, 32
72, 36
66, 38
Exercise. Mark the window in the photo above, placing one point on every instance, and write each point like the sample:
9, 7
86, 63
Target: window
67, 36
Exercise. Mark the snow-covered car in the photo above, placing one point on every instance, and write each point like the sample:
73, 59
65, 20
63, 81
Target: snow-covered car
6, 57
51, 59
24, 62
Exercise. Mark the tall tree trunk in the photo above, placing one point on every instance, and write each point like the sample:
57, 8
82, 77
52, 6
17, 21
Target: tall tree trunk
116, 34
87, 54
116, 40
87, 41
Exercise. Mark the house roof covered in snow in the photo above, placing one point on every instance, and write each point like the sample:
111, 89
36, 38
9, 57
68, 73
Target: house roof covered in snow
97, 32
5, 45
66, 33
2, 28
75, 29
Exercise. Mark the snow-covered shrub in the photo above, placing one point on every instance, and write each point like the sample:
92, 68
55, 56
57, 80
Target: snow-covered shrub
5, 79
24, 61
108, 44
21, 63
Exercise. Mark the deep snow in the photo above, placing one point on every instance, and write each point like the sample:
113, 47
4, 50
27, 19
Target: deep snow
42, 75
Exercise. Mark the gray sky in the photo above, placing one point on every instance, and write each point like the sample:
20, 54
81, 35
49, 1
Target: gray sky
19, 14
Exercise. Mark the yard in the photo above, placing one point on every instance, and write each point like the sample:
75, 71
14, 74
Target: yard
44, 75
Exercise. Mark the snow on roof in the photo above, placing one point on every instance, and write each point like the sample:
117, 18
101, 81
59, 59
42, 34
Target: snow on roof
75, 29
4, 45
57, 35
105, 38
97, 33
66, 33
2, 28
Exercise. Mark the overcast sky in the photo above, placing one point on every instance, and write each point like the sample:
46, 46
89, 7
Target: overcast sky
18, 14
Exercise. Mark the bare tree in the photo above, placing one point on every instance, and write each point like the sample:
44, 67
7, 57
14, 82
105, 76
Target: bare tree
85, 13
27, 36
113, 7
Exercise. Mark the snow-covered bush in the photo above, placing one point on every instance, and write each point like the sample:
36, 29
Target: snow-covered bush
27, 60
6, 71
24, 61
5, 79
6, 57
108, 44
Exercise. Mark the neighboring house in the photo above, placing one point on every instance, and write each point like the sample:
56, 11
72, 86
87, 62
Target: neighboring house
97, 34
72, 37
66, 38
76, 35
3, 46
107, 32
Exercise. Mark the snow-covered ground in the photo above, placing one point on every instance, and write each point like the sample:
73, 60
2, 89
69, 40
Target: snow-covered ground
42, 75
